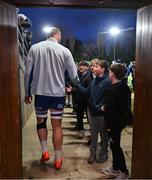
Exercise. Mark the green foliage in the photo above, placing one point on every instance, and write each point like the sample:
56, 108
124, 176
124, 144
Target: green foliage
78, 50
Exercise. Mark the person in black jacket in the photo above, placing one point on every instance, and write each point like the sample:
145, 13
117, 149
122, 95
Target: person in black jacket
116, 107
82, 99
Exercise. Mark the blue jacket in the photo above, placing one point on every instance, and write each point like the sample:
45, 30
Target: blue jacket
96, 93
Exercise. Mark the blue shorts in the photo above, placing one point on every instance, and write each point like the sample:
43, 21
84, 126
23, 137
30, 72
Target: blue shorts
44, 103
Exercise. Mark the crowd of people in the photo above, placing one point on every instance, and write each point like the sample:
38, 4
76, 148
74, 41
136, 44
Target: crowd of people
99, 91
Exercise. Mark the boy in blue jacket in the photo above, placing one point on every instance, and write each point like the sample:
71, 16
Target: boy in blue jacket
96, 93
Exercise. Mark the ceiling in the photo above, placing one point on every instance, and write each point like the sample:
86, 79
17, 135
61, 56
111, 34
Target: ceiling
125, 4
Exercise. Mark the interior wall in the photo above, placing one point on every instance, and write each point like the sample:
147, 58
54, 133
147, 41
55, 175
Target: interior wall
10, 128
142, 135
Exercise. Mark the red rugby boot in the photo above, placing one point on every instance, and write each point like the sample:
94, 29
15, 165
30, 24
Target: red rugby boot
58, 163
45, 157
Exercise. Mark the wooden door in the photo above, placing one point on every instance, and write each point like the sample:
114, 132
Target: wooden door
142, 135
10, 128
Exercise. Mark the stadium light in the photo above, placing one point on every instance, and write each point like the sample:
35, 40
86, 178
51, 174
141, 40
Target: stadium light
114, 31
47, 29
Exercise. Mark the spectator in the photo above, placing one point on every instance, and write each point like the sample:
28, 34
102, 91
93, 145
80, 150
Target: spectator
92, 63
96, 93
28, 37
132, 71
116, 105
24, 21
82, 99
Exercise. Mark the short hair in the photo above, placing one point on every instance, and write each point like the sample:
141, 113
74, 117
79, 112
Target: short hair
119, 70
94, 61
103, 64
83, 63
53, 31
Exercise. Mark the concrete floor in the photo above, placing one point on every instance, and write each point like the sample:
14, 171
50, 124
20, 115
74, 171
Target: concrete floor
75, 150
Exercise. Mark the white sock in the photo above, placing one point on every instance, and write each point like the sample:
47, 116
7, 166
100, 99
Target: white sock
44, 146
58, 154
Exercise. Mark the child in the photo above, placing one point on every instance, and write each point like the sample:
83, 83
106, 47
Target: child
96, 99
81, 99
117, 101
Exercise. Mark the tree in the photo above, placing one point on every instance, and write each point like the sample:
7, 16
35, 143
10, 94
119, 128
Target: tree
78, 50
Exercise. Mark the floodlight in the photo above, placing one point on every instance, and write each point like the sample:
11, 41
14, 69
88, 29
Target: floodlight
114, 31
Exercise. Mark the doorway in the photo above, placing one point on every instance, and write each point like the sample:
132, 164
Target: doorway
141, 162
84, 38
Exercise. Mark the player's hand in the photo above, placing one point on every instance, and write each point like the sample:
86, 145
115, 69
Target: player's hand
68, 89
28, 99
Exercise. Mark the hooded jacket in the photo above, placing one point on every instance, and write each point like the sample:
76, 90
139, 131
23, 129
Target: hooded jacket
117, 105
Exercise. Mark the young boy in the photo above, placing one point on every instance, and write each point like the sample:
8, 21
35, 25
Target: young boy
96, 99
81, 99
117, 101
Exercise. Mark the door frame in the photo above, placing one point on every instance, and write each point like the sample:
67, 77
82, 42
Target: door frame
18, 124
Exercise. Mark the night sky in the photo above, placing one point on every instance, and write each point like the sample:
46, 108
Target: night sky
84, 24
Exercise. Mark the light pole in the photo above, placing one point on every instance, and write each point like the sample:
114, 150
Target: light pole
114, 32
114, 48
